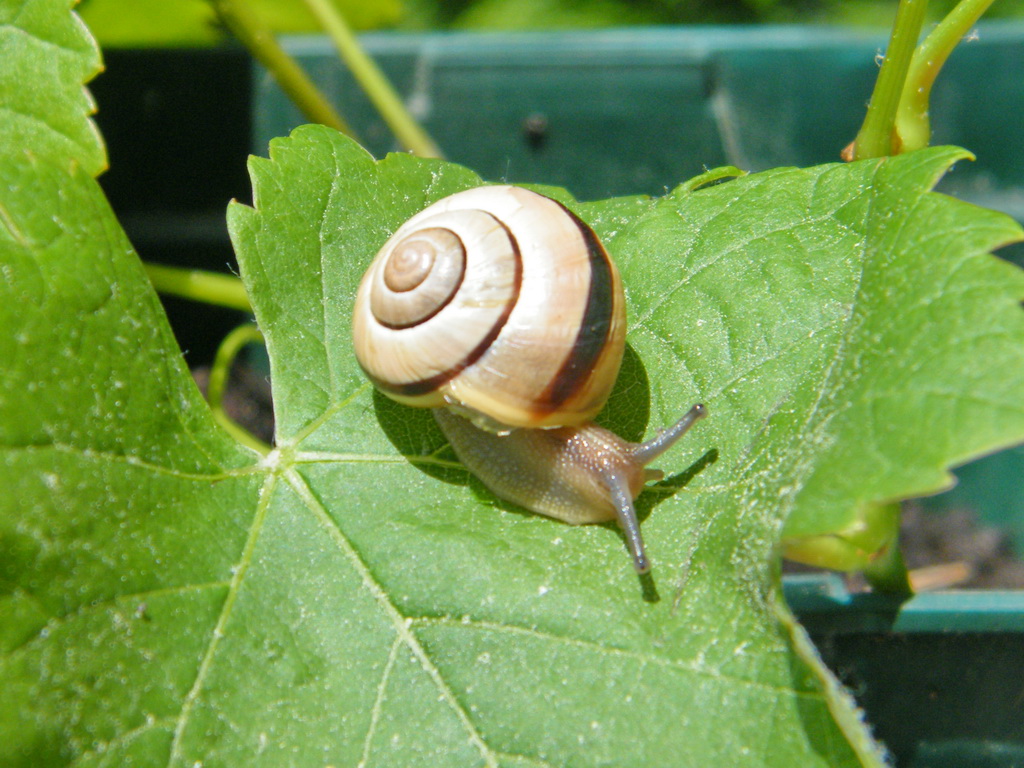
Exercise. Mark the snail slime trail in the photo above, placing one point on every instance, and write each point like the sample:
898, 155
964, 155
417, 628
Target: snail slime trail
501, 310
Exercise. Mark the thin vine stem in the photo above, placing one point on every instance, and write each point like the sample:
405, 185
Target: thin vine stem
233, 343
237, 15
372, 81
913, 127
199, 285
889, 573
875, 138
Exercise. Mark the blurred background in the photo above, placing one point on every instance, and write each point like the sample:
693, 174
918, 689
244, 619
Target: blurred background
192, 22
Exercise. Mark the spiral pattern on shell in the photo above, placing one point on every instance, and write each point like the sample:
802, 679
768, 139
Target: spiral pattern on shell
499, 303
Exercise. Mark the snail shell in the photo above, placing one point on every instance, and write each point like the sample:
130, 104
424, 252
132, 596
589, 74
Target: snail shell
498, 302
499, 308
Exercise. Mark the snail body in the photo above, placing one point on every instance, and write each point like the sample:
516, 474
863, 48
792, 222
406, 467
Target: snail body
500, 309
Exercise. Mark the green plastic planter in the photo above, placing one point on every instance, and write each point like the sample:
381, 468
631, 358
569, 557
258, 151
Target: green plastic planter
628, 111
637, 111
176, 123
940, 676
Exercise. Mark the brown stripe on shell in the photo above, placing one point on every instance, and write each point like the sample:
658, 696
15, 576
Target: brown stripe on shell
594, 329
422, 386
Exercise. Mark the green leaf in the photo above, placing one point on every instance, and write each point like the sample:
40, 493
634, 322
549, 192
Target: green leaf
125, 511
43, 45
140, 23
111, 584
926, 366
553, 14
194, 22
752, 296
170, 598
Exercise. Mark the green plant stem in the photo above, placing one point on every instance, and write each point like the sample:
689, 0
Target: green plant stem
219, 372
888, 573
373, 82
875, 138
913, 127
199, 285
709, 177
238, 16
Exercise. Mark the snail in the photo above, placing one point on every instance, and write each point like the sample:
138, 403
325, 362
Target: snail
501, 310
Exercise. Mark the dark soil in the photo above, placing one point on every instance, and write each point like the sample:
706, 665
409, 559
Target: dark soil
247, 399
957, 537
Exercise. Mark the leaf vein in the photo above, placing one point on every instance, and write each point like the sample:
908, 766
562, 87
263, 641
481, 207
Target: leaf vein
398, 621
218, 631
322, 457
591, 646
324, 417
378, 703
324, 304
133, 461
38, 120
123, 738
97, 605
